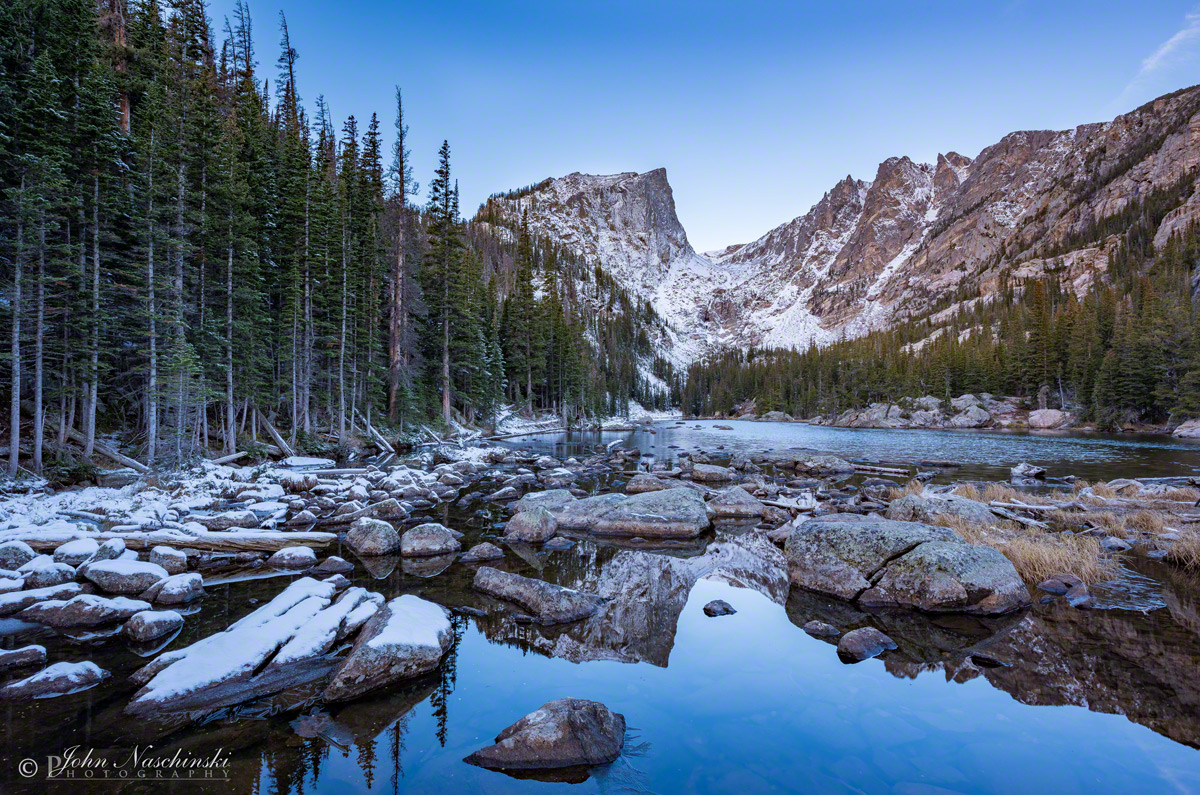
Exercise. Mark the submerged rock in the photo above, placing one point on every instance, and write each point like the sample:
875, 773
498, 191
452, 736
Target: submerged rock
406, 638
863, 644
881, 562
60, 679
548, 603
481, 552
566, 732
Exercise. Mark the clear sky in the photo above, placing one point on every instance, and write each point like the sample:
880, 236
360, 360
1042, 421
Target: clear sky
754, 108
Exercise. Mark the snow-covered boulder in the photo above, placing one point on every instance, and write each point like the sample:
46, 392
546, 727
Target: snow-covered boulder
84, 610
174, 561
428, 539
75, 552
15, 554
59, 679
151, 624
178, 589
372, 537
17, 601
125, 576
19, 658
407, 638
293, 558
44, 572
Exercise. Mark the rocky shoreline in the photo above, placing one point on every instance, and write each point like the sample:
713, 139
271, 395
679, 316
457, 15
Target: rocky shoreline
134, 563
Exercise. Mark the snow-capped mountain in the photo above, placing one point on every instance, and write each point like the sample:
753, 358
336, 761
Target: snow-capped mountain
903, 245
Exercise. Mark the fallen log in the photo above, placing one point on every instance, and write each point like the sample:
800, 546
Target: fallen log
280, 442
1007, 514
871, 469
106, 451
206, 541
228, 459
376, 435
1020, 506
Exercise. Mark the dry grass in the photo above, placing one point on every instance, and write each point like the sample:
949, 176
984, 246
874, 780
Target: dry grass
1183, 495
912, 487
1185, 551
971, 532
1111, 523
968, 490
1102, 490
1148, 521
1037, 556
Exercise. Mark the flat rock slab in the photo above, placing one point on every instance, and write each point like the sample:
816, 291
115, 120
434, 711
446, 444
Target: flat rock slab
566, 732
551, 500
887, 563
60, 679
672, 513
406, 638
287, 642
548, 603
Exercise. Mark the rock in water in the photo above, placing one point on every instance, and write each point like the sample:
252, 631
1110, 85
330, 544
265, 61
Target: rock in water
171, 559
85, 610
533, 526
293, 558
566, 732
643, 482
426, 540
710, 473
735, 503
671, 513
480, 552
863, 644
151, 624
718, 607
880, 562
372, 537
549, 604
406, 638
819, 629
15, 554
178, 589
125, 576
551, 500
18, 658
1025, 471
928, 507
333, 565
60, 679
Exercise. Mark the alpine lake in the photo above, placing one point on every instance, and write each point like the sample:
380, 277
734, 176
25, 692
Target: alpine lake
1049, 699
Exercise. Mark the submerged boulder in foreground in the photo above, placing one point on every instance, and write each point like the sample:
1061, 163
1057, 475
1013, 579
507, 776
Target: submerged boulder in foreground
566, 732
549, 603
882, 562
406, 638
60, 679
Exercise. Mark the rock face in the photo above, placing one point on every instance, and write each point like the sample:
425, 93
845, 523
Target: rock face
1188, 430
548, 603
566, 732
876, 251
881, 562
59, 679
372, 537
427, 540
406, 638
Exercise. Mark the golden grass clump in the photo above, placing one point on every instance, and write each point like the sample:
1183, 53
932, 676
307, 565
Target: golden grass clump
1148, 521
1183, 495
1102, 490
1185, 551
1038, 556
912, 487
971, 532
968, 490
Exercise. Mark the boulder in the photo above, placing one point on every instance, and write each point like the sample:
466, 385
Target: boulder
643, 482
566, 732
228, 519
964, 402
174, 561
1188, 430
19, 658
84, 610
15, 554
482, 552
972, 417
548, 603
819, 629
862, 644
928, 507
427, 540
372, 537
1025, 471
533, 526
711, 473
551, 500
178, 589
1059, 583
44, 572
1047, 419
295, 558
60, 679
583, 514
671, 513
823, 465
776, 416
882, 562
333, 565
735, 503
718, 607
17, 601
405, 638
125, 576
151, 624
75, 552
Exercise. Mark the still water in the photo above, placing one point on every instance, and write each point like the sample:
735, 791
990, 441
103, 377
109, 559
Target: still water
1050, 700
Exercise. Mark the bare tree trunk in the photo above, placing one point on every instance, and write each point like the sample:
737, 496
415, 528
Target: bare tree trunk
152, 390
446, 366
230, 409
94, 365
342, 352
14, 416
39, 414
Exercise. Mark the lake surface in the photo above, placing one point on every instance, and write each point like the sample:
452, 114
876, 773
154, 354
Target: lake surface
1050, 700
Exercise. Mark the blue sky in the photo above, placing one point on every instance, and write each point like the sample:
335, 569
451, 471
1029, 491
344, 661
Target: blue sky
754, 108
